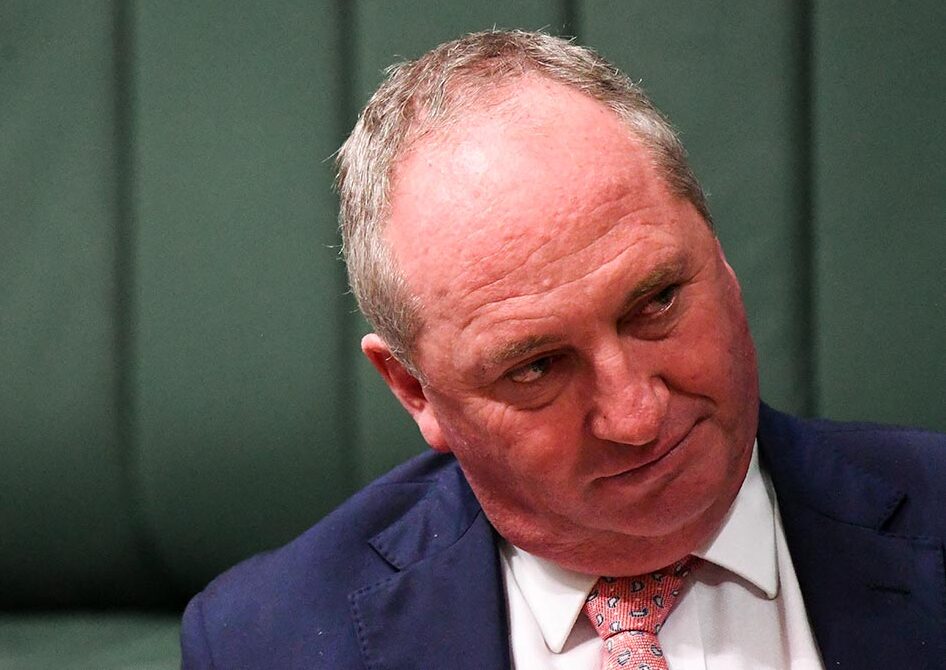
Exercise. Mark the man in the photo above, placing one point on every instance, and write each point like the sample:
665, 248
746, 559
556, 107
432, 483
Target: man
552, 307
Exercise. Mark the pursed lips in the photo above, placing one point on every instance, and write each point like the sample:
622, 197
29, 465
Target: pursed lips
655, 454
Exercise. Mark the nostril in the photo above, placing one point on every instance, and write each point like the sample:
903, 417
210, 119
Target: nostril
633, 428
630, 397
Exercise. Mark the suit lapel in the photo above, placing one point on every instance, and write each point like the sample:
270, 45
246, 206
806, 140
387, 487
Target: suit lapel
445, 604
874, 599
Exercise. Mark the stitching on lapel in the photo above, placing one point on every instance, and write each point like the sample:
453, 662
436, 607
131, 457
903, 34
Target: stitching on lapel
360, 628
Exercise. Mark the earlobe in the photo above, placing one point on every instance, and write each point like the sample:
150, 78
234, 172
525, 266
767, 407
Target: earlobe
406, 388
732, 273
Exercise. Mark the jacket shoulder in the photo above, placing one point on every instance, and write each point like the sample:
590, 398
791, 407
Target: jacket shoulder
289, 607
880, 448
909, 460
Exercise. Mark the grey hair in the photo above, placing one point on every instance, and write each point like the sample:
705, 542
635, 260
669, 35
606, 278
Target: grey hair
422, 96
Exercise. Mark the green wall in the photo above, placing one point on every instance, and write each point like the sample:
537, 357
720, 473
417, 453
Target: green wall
180, 379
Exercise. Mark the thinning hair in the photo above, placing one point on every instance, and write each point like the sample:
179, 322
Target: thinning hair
425, 95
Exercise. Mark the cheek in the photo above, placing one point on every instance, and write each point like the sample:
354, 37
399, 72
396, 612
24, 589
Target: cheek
534, 449
715, 352
741, 370
699, 360
482, 435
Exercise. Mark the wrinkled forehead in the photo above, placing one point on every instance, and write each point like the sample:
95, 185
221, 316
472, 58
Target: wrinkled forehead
510, 186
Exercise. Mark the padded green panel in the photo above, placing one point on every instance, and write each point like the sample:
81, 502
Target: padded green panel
386, 33
65, 531
83, 641
728, 74
242, 430
880, 76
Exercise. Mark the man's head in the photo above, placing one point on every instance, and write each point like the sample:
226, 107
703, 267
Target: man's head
584, 350
430, 94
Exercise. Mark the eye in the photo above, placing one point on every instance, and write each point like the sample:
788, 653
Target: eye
531, 372
661, 302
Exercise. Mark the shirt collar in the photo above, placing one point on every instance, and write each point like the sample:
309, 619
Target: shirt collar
745, 542
744, 545
554, 595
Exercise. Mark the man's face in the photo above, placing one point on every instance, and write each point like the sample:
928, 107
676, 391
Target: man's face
585, 353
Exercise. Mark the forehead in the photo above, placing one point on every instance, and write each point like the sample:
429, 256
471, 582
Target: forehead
512, 198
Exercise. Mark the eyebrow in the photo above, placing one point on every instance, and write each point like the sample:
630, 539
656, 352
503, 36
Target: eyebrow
521, 348
660, 276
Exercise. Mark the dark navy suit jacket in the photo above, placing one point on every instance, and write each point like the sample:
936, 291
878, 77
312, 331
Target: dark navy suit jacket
406, 573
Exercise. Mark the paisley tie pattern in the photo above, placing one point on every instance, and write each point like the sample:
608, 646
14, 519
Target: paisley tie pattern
628, 612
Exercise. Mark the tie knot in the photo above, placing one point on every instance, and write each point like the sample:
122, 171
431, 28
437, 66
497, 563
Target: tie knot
635, 604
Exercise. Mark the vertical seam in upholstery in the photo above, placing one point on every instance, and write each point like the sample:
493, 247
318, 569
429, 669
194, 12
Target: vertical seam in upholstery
145, 546
806, 209
347, 382
570, 18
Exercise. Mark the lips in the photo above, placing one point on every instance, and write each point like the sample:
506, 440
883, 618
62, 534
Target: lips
657, 453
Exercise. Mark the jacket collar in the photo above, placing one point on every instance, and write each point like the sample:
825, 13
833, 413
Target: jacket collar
444, 606
874, 598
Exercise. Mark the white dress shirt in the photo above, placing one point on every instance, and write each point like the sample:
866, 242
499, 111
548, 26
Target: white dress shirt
742, 609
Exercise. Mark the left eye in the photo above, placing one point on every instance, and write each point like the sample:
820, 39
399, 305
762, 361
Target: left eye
661, 302
531, 371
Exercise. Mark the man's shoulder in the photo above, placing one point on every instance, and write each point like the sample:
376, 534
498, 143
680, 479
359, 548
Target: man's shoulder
276, 599
874, 446
338, 539
911, 459
820, 455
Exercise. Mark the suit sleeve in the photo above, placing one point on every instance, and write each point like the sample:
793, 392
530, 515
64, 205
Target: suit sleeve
195, 651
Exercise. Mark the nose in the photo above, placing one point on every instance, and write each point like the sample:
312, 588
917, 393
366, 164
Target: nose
630, 401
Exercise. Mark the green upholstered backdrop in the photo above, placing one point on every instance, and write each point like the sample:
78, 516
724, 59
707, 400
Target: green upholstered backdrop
180, 379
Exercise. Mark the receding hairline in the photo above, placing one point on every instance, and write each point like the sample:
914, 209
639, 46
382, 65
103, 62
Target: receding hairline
504, 102
476, 98
422, 96
501, 100
507, 102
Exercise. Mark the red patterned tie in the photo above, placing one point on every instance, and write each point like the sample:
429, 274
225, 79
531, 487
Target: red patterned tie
628, 612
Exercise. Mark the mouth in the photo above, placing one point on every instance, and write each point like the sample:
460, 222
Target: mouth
658, 453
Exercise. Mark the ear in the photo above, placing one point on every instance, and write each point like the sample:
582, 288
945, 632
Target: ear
406, 388
722, 257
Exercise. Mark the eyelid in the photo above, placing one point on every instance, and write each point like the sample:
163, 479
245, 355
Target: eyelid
524, 364
551, 357
641, 309
672, 289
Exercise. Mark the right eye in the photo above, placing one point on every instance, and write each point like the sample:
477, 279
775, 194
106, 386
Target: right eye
531, 372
